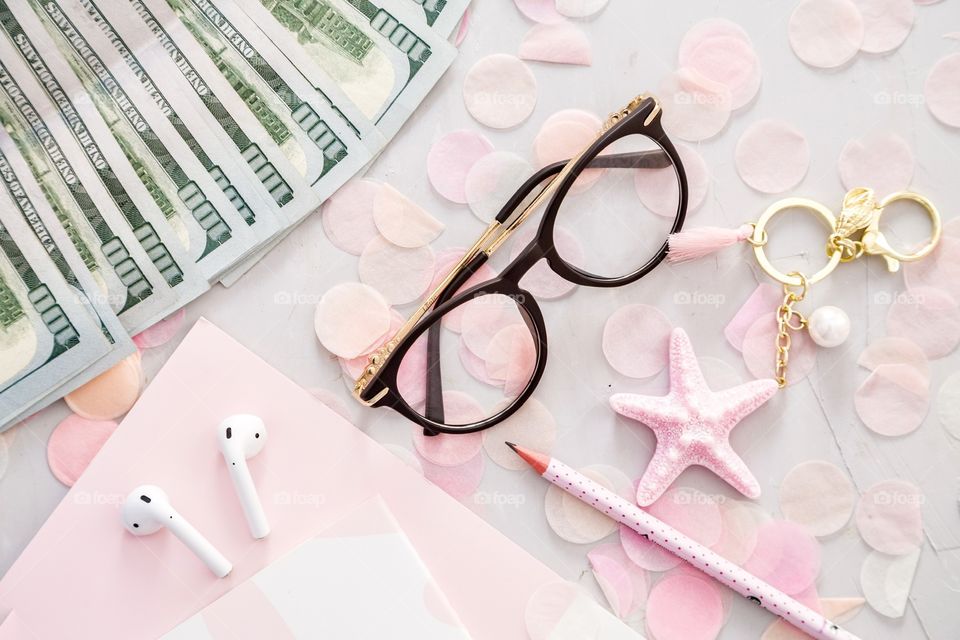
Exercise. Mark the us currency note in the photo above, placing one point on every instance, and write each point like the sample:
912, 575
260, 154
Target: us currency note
231, 180
209, 228
46, 336
30, 203
440, 15
136, 253
383, 63
234, 119
36, 77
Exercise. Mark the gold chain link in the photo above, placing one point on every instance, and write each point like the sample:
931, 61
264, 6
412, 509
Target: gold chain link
788, 319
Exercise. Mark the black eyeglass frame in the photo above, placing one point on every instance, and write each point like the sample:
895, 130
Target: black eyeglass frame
377, 386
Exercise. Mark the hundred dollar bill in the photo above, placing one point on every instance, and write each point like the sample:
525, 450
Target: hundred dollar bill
319, 143
385, 64
440, 15
46, 336
79, 119
235, 185
232, 115
40, 221
123, 248
211, 230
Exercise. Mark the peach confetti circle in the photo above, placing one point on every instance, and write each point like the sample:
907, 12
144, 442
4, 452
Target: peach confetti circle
350, 318
819, 496
928, 316
532, 426
110, 394
401, 275
500, 91
893, 400
772, 156
826, 33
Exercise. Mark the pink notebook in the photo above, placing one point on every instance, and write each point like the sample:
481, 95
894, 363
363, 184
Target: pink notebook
84, 577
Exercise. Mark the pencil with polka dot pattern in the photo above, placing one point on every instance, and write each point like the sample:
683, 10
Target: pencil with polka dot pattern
749, 586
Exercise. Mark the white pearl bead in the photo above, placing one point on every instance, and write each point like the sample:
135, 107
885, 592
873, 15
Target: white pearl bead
829, 326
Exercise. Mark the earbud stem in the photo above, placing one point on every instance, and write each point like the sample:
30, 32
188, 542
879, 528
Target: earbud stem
249, 499
199, 545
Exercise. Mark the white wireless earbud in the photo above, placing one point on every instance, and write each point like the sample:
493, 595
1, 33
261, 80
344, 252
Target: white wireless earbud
147, 510
242, 437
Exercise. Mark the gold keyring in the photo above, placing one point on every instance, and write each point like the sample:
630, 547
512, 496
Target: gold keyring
876, 243
759, 233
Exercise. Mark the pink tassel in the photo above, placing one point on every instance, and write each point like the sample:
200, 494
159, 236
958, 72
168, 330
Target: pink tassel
697, 243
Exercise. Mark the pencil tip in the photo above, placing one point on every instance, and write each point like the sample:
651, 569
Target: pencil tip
511, 445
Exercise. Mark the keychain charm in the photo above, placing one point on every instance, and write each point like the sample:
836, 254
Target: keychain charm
855, 232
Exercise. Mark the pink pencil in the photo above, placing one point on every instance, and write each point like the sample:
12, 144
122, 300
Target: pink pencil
712, 564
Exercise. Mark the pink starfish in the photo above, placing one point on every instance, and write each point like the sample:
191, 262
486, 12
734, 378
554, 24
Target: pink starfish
693, 424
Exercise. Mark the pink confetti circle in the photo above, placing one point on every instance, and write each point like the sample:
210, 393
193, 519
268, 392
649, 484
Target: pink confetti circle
500, 91
928, 316
890, 350
887, 23
730, 61
74, 443
449, 450
706, 29
580, 8
882, 160
684, 607
889, 517
110, 394
492, 180
161, 332
560, 43
759, 351
532, 426
694, 107
645, 553
350, 318
940, 270
635, 340
459, 481
893, 400
772, 156
347, 215
450, 159
942, 90
589, 120
826, 33
786, 556
542, 11
401, 275
659, 189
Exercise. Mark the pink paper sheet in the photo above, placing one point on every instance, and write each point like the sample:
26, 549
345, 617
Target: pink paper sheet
83, 576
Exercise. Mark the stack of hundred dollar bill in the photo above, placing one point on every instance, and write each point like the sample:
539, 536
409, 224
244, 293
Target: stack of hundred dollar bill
150, 148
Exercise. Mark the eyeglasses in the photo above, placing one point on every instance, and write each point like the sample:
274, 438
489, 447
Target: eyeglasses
594, 232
